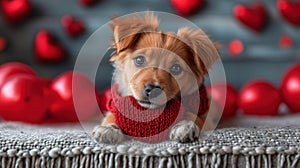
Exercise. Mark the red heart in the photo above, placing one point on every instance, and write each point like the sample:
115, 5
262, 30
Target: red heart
290, 11
15, 11
187, 7
72, 26
47, 49
253, 16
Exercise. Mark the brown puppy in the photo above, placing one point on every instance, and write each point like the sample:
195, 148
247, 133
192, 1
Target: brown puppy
147, 59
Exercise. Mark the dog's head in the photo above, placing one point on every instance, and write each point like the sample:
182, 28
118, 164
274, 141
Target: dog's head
155, 66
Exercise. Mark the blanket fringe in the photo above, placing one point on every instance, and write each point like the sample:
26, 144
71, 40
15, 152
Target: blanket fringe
189, 160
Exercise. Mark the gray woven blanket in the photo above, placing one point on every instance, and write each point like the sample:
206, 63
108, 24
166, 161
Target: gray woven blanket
69, 145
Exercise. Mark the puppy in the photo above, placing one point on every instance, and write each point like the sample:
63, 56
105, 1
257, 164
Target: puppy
156, 67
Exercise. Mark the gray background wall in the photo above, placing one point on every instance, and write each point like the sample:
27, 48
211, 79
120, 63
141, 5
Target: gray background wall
262, 57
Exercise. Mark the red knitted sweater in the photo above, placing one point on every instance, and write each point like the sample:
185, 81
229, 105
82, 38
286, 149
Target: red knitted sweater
150, 125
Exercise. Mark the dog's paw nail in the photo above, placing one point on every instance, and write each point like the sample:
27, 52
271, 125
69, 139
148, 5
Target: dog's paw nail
108, 134
185, 131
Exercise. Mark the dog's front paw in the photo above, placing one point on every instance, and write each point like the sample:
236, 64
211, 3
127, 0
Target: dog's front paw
185, 131
108, 134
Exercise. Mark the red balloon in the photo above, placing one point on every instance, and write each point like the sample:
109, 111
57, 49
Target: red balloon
15, 11
21, 99
259, 98
47, 49
14, 68
290, 88
187, 7
217, 91
80, 89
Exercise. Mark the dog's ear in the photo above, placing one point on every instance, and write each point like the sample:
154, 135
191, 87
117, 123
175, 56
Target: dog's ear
128, 29
205, 52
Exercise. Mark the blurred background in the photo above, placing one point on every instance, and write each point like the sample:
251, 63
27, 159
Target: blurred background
262, 47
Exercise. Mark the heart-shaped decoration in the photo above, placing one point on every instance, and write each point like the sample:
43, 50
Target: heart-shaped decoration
15, 11
47, 49
253, 16
187, 7
290, 10
72, 26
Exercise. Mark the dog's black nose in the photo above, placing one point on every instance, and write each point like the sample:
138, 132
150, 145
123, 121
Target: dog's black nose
152, 90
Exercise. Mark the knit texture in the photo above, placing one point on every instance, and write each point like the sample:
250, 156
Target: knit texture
70, 146
150, 125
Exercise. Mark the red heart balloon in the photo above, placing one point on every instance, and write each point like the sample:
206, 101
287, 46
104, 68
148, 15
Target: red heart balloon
47, 49
187, 7
254, 16
10, 69
21, 99
72, 26
218, 94
72, 86
290, 10
259, 98
15, 11
290, 88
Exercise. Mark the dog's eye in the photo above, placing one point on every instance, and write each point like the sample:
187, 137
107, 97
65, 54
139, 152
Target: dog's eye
140, 61
176, 69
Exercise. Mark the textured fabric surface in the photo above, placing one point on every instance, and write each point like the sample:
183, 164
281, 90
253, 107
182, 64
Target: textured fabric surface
71, 146
137, 121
